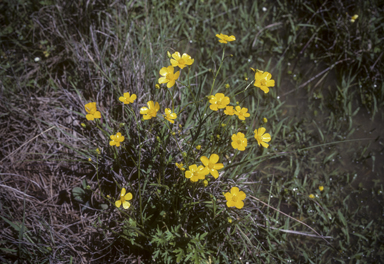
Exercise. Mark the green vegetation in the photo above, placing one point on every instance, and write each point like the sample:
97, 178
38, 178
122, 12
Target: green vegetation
60, 178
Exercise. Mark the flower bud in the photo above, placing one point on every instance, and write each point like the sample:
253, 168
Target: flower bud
83, 125
227, 85
198, 147
184, 154
205, 182
169, 54
157, 86
265, 120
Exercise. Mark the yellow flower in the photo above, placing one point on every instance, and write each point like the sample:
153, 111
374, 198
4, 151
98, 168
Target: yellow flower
235, 198
181, 61
224, 38
354, 17
261, 137
263, 80
196, 173
265, 120
205, 182
90, 108
169, 77
116, 139
126, 99
212, 165
239, 141
169, 115
123, 199
311, 196
219, 101
198, 147
241, 112
321, 188
229, 110
151, 111
180, 166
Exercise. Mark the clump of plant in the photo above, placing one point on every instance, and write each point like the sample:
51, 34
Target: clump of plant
175, 172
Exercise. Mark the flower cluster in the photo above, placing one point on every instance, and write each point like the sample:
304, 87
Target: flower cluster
218, 103
168, 73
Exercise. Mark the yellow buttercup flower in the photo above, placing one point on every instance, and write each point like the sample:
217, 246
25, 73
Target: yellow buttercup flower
224, 38
196, 173
150, 111
116, 139
124, 198
235, 198
263, 80
229, 110
169, 115
90, 108
181, 61
241, 112
239, 141
321, 188
180, 166
127, 99
212, 165
169, 77
311, 196
261, 137
219, 101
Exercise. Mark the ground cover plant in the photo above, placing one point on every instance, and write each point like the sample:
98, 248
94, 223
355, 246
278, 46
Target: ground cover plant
169, 132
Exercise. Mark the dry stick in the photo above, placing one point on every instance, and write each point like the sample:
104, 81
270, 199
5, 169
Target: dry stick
312, 79
291, 218
373, 66
26, 143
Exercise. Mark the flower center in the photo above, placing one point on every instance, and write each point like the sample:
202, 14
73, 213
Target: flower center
181, 61
263, 82
239, 141
234, 198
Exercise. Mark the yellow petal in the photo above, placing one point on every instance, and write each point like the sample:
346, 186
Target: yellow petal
204, 160
234, 190
128, 196
122, 192
270, 83
241, 195
126, 205
214, 158
89, 117
261, 131
266, 137
163, 80
215, 173
265, 145
144, 110
133, 98
118, 203
163, 71
239, 204
218, 166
